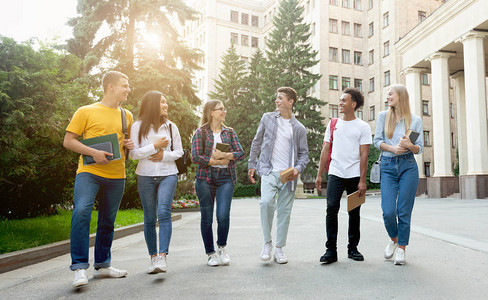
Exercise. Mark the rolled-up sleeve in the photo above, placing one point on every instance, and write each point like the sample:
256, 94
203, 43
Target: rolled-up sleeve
238, 152
380, 130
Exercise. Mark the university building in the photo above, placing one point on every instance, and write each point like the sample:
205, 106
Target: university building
368, 44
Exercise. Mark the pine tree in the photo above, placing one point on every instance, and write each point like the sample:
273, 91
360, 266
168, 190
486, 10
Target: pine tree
290, 58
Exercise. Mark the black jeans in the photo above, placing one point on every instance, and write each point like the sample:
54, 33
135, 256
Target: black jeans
335, 188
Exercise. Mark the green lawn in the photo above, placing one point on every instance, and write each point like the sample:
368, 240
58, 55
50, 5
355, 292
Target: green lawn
27, 233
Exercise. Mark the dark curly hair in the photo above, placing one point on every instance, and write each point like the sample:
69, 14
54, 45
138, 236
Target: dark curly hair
356, 96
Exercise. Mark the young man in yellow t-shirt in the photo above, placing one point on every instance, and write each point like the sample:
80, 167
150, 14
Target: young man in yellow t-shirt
105, 178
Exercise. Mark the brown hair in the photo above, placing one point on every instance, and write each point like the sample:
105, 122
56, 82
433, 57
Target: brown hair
208, 107
149, 113
403, 110
290, 93
112, 77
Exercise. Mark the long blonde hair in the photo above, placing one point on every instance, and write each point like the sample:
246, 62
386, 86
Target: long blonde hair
402, 109
208, 107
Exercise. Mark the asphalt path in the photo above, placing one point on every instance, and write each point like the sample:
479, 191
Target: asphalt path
447, 259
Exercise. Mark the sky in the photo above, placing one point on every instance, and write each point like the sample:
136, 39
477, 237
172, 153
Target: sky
44, 19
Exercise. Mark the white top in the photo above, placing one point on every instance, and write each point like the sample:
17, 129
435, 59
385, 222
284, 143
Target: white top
217, 139
348, 137
280, 158
142, 151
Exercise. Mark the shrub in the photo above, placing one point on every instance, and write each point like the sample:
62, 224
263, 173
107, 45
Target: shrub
241, 190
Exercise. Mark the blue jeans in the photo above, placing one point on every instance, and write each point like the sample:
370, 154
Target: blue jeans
110, 192
399, 180
219, 189
157, 193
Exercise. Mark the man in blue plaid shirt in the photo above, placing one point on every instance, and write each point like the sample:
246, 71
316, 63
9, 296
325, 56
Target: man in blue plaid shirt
281, 141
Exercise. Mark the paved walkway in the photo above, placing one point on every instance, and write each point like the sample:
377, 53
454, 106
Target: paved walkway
447, 259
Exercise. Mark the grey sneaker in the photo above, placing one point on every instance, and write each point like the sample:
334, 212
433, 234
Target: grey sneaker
390, 249
399, 256
213, 260
223, 256
80, 278
279, 257
266, 252
109, 272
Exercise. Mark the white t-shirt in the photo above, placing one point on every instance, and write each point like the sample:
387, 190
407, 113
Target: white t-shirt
217, 139
348, 137
280, 159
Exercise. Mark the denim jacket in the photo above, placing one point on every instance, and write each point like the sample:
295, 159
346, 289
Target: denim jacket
264, 141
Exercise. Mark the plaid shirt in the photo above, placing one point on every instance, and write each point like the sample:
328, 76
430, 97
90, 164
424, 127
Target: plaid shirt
203, 168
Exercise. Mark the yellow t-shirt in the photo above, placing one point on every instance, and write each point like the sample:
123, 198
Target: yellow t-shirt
95, 120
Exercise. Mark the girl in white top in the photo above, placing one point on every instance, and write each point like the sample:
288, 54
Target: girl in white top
156, 172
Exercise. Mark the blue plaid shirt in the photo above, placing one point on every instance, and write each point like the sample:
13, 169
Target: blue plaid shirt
202, 159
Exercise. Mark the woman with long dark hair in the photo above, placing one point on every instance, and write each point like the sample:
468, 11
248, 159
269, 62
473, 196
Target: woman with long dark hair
156, 172
215, 177
399, 171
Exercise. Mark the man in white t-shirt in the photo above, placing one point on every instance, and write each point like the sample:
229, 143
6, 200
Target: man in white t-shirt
347, 171
280, 142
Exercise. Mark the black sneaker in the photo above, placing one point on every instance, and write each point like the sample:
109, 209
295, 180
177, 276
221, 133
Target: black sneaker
354, 254
329, 256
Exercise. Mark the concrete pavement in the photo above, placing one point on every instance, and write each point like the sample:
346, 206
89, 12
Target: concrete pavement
447, 259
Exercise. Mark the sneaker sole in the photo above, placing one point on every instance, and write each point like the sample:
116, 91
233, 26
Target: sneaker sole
281, 263
80, 284
388, 257
265, 258
399, 263
157, 270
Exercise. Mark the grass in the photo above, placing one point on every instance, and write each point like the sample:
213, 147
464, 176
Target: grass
27, 233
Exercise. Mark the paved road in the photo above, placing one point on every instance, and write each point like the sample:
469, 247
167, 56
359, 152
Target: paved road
447, 259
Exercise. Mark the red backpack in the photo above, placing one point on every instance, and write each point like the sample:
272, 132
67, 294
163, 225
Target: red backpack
333, 123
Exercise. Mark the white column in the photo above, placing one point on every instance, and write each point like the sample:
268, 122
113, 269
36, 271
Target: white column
475, 80
440, 114
461, 122
414, 88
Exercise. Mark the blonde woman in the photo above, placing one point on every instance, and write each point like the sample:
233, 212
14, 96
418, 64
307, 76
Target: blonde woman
399, 171
215, 177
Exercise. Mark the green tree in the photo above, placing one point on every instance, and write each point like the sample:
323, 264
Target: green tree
290, 59
39, 90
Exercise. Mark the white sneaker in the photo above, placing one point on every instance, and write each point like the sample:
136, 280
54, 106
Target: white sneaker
390, 249
109, 272
399, 256
266, 252
279, 257
158, 265
80, 278
212, 260
223, 256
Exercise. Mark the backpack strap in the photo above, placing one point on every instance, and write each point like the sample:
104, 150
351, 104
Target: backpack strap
124, 130
333, 123
204, 139
171, 135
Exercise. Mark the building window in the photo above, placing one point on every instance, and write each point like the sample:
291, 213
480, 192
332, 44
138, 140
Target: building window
427, 169
387, 78
426, 138
333, 54
255, 42
358, 83
265, 19
346, 56
370, 4
371, 84
255, 21
451, 109
346, 28
371, 29
245, 40
307, 10
371, 113
234, 38
333, 25
358, 59
425, 107
386, 46
357, 4
245, 19
345, 3
333, 82
452, 140
358, 31
313, 29
386, 19
424, 79
333, 2
346, 82
422, 15
386, 104
359, 114
333, 111
371, 57
234, 16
